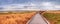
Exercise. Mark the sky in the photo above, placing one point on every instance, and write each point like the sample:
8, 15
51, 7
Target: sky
39, 4
5, 2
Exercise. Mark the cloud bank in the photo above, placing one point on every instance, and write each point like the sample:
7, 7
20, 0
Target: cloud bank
30, 5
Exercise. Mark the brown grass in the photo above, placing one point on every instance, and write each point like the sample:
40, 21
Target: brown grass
16, 18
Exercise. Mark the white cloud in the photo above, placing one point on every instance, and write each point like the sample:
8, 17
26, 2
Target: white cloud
49, 6
57, 6
42, 6
19, 6
46, 4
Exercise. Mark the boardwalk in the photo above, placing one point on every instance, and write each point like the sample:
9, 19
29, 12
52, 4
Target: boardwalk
37, 20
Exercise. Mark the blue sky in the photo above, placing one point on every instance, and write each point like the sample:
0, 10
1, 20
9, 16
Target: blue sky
43, 4
4, 2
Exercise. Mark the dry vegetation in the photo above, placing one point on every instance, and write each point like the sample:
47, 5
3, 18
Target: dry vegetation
52, 16
16, 17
